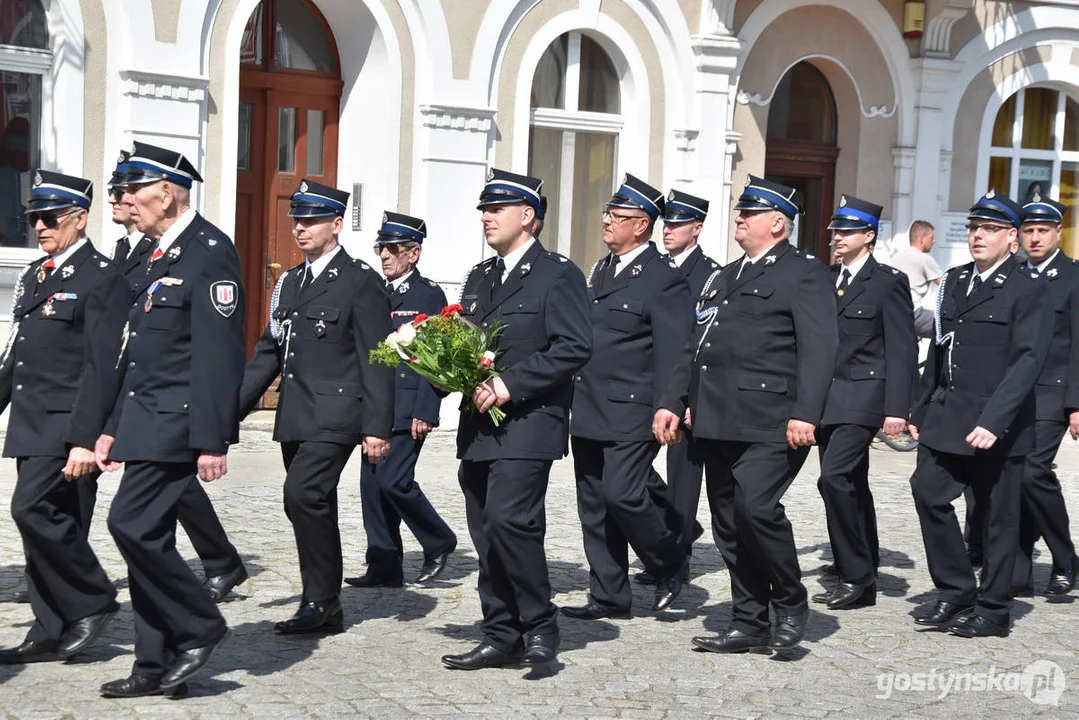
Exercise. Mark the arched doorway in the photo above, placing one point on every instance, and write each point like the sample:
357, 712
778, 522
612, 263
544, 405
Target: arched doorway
801, 151
290, 95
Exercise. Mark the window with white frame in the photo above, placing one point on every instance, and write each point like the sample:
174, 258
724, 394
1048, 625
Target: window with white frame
1035, 144
25, 61
572, 144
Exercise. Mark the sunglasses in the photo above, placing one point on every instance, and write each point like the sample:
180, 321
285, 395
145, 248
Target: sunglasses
393, 248
48, 218
117, 193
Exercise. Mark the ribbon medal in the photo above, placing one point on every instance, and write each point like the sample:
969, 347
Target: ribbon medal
150, 295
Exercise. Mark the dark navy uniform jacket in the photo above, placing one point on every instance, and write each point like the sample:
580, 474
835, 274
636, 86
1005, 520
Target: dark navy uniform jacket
184, 355
878, 353
413, 396
696, 269
640, 324
133, 264
1057, 389
543, 304
985, 376
329, 390
60, 375
762, 351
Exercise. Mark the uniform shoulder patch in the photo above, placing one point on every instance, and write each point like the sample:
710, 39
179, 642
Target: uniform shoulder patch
224, 294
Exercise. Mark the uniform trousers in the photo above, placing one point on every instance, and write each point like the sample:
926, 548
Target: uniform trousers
938, 480
1043, 512
504, 506
746, 483
389, 494
65, 580
848, 501
173, 612
617, 511
312, 473
685, 471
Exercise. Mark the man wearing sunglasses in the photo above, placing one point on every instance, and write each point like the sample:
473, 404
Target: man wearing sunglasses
975, 418
389, 490
326, 315
58, 373
176, 415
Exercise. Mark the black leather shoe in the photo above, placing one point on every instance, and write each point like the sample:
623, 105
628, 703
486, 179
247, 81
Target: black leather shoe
367, 580
139, 686
848, 595
20, 594
667, 589
592, 611
1061, 581
976, 626
30, 652
733, 641
940, 613
314, 617
432, 567
220, 586
480, 657
189, 662
789, 631
541, 648
82, 633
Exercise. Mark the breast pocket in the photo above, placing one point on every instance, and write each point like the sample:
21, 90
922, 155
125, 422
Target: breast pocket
988, 326
323, 323
753, 299
625, 315
521, 317
859, 319
762, 401
166, 309
59, 319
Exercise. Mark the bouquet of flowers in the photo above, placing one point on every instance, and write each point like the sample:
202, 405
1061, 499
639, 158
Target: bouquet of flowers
445, 349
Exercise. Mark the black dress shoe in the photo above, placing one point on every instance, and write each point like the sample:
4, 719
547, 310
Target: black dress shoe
789, 631
541, 648
667, 589
432, 567
940, 613
1061, 581
189, 662
848, 595
733, 641
480, 657
139, 686
976, 626
314, 617
592, 611
20, 594
30, 652
367, 580
220, 586
82, 633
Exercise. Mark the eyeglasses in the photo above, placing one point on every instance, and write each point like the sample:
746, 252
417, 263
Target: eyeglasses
393, 248
617, 219
987, 228
117, 193
48, 218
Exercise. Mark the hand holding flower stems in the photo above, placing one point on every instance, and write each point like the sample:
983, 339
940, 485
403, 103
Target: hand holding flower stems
452, 354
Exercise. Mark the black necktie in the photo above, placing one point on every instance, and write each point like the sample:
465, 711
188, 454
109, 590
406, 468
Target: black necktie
608, 273
123, 249
975, 285
496, 283
389, 286
844, 283
307, 278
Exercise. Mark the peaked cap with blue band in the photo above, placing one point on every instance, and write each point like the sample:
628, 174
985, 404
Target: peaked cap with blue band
761, 194
997, 207
505, 188
855, 214
53, 191
398, 228
638, 195
120, 172
149, 164
683, 207
313, 199
1039, 208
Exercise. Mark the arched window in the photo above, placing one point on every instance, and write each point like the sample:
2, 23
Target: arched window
573, 136
25, 61
1035, 141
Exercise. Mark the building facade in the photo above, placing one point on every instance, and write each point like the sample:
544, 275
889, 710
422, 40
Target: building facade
407, 103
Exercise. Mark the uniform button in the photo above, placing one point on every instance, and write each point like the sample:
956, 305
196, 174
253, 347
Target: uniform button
340, 390
293, 334
322, 313
18, 387
290, 376
133, 333
292, 354
632, 396
295, 314
485, 325
708, 344
131, 364
625, 307
764, 385
725, 302
703, 368
754, 291
19, 364
131, 393
990, 317
520, 306
1058, 380
163, 298
859, 312
960, 321
595, 302
185, 406
21, 338
872, 372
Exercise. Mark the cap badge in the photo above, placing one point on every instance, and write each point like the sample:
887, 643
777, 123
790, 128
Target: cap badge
670, 196
1037, 196
385, 218
991, 194
490, 174
37, 178
842, 201
120, 159
303, 186
749, 180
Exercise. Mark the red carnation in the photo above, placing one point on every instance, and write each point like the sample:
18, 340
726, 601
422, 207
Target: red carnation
418, 319
452, 310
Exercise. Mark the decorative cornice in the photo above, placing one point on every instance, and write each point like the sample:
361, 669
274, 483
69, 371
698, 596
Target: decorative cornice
938, 31
732, 139
452, 117
716, 53
181, 88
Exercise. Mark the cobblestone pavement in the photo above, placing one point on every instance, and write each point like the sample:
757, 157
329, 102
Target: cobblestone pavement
854, 663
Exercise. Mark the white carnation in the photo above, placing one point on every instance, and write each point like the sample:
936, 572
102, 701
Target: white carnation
405, 335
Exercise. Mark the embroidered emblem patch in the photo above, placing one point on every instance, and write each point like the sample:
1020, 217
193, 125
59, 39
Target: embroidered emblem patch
225, 296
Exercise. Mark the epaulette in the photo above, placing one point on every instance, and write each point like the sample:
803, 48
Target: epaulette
361, 263
210, 241
557, 256
431, 282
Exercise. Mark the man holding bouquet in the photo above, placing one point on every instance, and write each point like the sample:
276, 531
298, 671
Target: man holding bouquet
539, 301
325, 315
